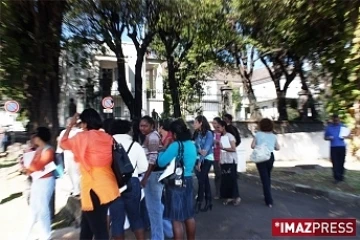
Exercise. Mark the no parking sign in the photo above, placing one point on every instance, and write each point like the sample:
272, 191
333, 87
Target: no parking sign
108, 104
12, 106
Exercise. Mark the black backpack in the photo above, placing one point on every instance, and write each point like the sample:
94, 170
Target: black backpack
121, 164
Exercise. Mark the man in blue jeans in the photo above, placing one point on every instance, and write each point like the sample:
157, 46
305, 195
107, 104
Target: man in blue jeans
160, 228
337, 147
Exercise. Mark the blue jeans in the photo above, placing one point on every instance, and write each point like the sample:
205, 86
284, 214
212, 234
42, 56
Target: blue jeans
153, 194
128, 203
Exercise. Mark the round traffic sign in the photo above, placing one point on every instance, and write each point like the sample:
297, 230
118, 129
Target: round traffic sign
108, 102
12, 106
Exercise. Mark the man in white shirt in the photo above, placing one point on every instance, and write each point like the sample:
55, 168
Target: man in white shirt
129, 202
71, 166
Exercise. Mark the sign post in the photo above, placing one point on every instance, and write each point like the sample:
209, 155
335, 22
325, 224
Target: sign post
108, 105
12, 106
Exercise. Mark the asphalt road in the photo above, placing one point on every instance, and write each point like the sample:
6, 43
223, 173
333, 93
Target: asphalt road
252, 219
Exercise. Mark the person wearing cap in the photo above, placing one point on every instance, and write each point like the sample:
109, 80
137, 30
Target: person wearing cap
337, 147
71, 165
42, 188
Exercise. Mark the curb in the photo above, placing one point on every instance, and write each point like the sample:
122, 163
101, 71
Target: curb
333, 195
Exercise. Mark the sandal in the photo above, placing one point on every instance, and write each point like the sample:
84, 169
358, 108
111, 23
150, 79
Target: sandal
237, 201
227, 201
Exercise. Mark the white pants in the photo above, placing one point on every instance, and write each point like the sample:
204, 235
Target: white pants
41, 192
74, 174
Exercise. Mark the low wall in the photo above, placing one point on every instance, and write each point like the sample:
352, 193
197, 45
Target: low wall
304, 147
299, 141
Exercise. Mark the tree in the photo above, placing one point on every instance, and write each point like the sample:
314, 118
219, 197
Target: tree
176, 34
32, 29
236, 50
184, 39
344, 69
141, 29
106, 22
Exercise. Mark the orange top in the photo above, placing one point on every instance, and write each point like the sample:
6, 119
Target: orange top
41, 159
93, 150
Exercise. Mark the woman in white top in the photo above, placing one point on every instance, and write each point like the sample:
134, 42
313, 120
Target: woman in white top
129, 201
265, 136
229, 189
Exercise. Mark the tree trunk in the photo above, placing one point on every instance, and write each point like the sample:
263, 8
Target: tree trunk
106, 82
42, 83
281, 105
311, 102
255, 113
174, 86
123, 89
138, 84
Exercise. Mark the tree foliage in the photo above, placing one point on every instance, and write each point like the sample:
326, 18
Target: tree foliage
30, 60
184, 38
107, 22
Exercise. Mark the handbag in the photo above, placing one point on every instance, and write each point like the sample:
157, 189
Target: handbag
177, 179
260, 154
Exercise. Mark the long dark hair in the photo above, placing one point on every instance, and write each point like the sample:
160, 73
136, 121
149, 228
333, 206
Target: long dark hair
205, 126
217, 119
232, 130
137, 135
92, 119
180, 130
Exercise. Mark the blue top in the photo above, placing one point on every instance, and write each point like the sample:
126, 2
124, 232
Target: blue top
205, 143
269, 139
172, 151
333, 130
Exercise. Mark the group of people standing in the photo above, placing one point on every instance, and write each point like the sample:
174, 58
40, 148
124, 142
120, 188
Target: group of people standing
168, 209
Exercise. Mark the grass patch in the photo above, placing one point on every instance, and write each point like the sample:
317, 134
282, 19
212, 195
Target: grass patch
318, 177
6, 163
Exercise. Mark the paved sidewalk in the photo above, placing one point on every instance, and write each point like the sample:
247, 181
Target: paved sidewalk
250, 220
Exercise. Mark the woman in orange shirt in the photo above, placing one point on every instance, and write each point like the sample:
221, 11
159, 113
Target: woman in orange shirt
41, 188
92, 148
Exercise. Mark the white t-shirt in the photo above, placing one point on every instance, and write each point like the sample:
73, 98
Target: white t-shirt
229, 157
137, 154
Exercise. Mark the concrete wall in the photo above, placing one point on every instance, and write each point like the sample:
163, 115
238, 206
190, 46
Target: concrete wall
299, 141
303, 147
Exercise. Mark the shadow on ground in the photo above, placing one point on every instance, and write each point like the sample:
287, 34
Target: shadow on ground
11, 197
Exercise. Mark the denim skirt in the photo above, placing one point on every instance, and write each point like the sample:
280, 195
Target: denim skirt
178, 202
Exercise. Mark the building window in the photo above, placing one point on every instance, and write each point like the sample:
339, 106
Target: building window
107, 73
117, 112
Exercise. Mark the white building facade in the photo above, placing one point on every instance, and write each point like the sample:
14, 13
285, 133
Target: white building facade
76, 81
265, 93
